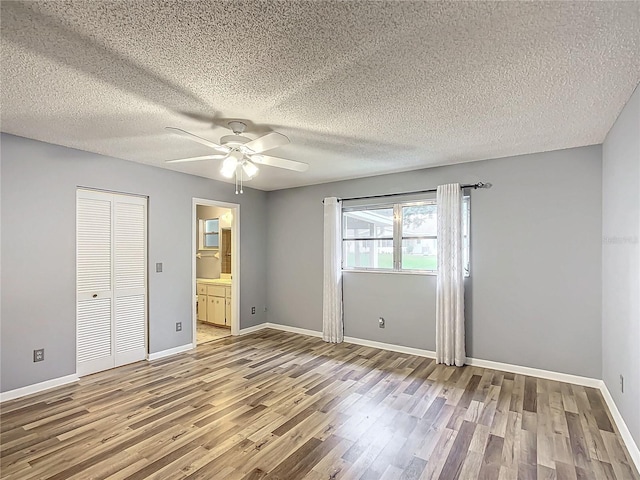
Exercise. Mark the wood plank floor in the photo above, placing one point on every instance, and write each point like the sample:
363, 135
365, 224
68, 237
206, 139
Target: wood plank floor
206, 332
276, 405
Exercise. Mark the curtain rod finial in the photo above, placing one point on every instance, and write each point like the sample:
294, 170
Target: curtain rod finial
483, 185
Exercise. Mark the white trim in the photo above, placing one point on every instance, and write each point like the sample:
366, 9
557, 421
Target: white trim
170, 351
235, 262
535, 372
287, 328
255, 328
628, 440
284, 328
38, 387
235, 271
391, 347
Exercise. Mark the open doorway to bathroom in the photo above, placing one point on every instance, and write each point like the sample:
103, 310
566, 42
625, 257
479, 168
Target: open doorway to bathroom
215, 270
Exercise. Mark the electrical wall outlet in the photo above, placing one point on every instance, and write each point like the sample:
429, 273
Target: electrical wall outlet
253, 310
381, 322
159, 267
178, 326
621, 384
38, 355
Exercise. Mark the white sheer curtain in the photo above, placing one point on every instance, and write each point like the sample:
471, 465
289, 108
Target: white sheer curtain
332, 325
450, 348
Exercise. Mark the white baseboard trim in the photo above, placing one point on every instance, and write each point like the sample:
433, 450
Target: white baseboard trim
629, 442
170, 351
37, 387
536, 372
357, 341
287, 328
255, 328
391, 347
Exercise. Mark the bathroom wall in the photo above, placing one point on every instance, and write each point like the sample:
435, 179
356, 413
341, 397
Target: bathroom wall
208, 266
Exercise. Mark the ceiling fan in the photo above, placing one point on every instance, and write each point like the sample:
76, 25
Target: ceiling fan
241, 154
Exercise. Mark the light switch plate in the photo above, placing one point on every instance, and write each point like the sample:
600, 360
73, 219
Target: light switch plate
159, 267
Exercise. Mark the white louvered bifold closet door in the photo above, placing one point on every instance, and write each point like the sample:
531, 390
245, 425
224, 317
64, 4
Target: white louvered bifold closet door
130, 279
94, 286
111, 280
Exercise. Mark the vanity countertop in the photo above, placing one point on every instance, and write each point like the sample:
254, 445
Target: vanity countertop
214, 281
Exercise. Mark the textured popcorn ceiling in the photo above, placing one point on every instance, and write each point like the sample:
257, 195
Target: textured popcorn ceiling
360, 88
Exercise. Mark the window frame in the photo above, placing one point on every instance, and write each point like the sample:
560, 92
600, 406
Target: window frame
396, 264
376, 206
206, 234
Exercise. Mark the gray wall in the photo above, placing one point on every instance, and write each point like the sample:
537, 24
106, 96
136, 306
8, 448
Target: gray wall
621, 263
533, 297
534, 287
38, 189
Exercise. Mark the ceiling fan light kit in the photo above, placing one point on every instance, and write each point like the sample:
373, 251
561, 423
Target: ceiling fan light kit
228, 167
239, 153
249, 169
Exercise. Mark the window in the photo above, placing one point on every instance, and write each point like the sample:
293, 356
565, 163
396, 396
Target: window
210, 234
400, 237
368, 238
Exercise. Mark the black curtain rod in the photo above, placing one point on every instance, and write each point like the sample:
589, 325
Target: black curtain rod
431, 190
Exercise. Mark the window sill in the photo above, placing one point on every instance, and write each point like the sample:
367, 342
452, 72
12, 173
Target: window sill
392, 272
397, 272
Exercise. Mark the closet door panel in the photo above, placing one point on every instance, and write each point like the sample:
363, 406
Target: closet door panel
130, 267
130, 329
95, 341
94, 282
130, 245
93, 244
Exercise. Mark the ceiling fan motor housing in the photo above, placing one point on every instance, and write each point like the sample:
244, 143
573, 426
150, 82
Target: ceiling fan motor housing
234, 140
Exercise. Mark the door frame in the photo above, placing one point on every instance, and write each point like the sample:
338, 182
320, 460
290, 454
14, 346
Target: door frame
235, 263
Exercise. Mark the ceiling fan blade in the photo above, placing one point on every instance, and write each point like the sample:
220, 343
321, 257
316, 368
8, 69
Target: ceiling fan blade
197, 159
267, 142
196, 138
279, 162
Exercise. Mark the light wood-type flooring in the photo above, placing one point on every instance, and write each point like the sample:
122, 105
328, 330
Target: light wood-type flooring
206, 332
275, 405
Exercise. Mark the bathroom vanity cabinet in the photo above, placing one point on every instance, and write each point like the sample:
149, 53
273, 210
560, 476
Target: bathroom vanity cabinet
214, 302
